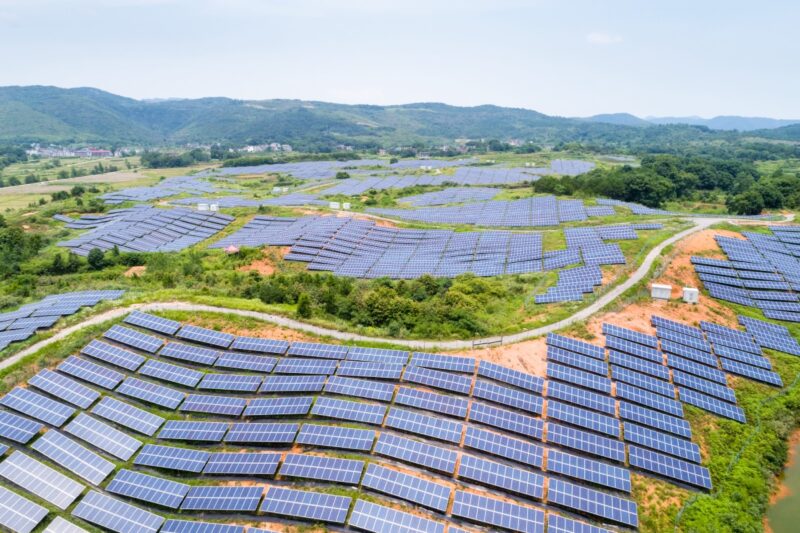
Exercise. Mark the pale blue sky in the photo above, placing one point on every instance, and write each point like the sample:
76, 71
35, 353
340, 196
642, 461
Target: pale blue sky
562, 57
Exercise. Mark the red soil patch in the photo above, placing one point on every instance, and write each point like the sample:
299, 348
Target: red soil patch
135, 271
527, 356
266, 265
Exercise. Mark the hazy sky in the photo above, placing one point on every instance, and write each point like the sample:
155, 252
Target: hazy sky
562, 57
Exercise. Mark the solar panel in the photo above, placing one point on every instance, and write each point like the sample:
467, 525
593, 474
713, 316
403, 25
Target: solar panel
218, 405
205, 336
293, 383
226, 498
192, 354
642, 381
367, 413
128, 416
18, 428
67, 453
499, 513
432, 401
509, 478
437, 361
586, 442
336, 437
407, 487
648, 399
589, 470
630, 362
115, 515
689, 473
193, 431
583, 418
438, 379
102, 436
576, 346
510, 376
153, 323
244, 464
37, 406
230, 382
662, 442
148, 488
711, 404
697, 356
631, 335
634, 348
64, 388
581, 397
583, 362
59, 525
308, 505
377, 355
170, 458
243, 361
416, 453
376, 518
19, 514
133, 338
259, 345
262, 433
185, 526
367, 369
500, 445
171, 373
559, 524
697, 369
46, 483
752, 372
306, 366
508, 420
322, 351
91, 372
361, 388
113, 355
288, 406
654, 419
346, 471
578, 377
434, 427
592, 502
708, 387
151, 393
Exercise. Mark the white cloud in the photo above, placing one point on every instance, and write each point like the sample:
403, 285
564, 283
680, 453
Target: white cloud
603, 38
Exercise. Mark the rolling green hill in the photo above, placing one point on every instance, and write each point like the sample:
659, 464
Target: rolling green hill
86, 115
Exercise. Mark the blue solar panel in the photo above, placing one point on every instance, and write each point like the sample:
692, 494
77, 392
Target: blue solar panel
585, 442
509, 478
151, 489
361, 388
293, 384
367, 369
115, 515
133, 338
346, 471
19, 514
315, 350
432, 401
429, 426
151, 393
752, 372
498, 513
654, 419
128, 416
592, 502
193, 431
185, 526
578, 377
633, 348
443, 362
500, 445
192, 354
346, 410
711, 404
152, 322
307, 505
588, 470
648, 399
37, 406
242, 464
205, 336
218, 405
559, 524
262, 433
287, 406
662, 442
407, 487
64, 388
631, 362
72, 456
510, 376
243, 361
259, 345
91, 372
631, 335
416, 453
583, 418
508, 420
102, 436
590, 400
689, 473
577, 346
438, 379
643, 381
114, 355
171, 373
508, 396
583, 362
169, 458
336, 437
375, 518
225, 498
306, 366
230, 382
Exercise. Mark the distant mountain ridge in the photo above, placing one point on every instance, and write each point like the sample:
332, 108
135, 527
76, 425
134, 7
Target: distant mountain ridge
88, 115
722, 123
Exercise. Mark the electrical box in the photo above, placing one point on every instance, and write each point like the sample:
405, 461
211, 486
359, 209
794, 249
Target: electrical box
691, 295
660, 292
202, 207
213, 207
333, 205
345, 205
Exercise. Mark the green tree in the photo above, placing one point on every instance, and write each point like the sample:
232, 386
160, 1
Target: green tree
303, 305
96, 259
747, 203
342, 175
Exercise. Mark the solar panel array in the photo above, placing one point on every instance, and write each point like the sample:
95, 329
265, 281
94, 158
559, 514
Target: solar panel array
362, 249
163, 189
451, 195
145, 229
22, 323
762, 271
524, 212
399, 421
543, 443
